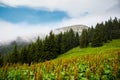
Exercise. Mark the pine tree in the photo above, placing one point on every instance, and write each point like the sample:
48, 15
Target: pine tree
109, 28
1, 59
63, 44
14, 57
119, 24
31, 53
52, 43
38, 49
59, 43
71, 39
90, 34
23, 55
84, 39
115, 30
50, 46
103, 32
45, 44
77, 39
97, 37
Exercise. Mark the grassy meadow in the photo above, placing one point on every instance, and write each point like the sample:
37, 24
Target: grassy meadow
106, 48
101, 63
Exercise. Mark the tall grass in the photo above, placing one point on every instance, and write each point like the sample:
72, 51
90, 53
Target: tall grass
102, 63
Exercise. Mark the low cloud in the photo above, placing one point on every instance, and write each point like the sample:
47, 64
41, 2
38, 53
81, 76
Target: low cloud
10, 31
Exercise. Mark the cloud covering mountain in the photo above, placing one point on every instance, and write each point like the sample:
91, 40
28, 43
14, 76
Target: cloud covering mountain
34, 17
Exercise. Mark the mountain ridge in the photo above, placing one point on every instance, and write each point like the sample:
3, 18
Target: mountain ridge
76, 28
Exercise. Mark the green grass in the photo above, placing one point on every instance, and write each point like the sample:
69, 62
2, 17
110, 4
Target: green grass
107, 47
73, 65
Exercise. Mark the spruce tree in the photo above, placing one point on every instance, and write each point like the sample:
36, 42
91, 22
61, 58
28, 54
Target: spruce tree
52, 43
72, 39
84, 39
97, 37
23, 55
38, 49
50, 46
63, 44
14, 57
31, 53
1, 59
59, 42
77, 39
90, 34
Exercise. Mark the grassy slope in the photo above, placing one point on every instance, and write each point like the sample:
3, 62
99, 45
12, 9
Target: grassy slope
111, 46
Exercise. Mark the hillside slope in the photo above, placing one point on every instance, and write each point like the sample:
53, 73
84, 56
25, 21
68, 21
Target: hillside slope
67, 67
107, 47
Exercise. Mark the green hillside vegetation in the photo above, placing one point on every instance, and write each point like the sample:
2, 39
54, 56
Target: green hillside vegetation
106, 48
54, 45
57, 57
101, 63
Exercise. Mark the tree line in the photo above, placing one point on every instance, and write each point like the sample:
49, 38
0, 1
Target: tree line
101, 33
44, 49
54, 45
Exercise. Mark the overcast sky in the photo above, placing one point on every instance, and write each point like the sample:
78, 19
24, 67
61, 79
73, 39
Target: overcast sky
27, 18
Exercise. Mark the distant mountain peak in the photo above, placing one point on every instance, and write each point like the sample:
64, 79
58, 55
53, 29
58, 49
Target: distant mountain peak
75, 28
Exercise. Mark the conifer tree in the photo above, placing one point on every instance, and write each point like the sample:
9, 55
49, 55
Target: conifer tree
50, 45
31, 53
59, 43
63, 44
84, 39
1, 59
23, 55
77, 39
71, 39
14, 57
97, 37
38, 49
90, 34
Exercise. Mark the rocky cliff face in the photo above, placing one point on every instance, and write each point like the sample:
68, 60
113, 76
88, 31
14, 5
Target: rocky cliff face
76, 28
